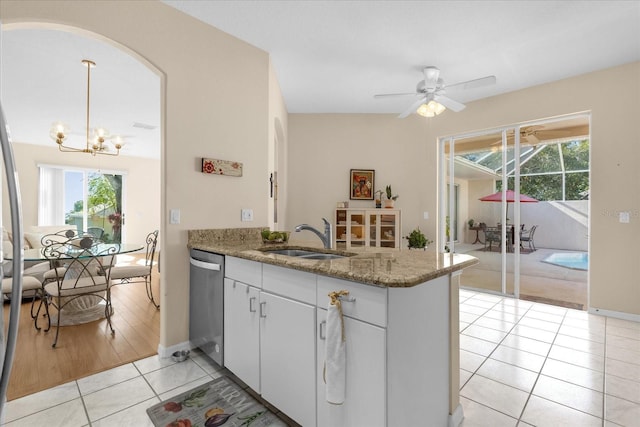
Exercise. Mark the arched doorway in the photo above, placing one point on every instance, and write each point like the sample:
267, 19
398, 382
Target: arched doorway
43, 81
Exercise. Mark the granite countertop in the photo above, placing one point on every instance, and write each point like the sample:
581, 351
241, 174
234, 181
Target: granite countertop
404, 268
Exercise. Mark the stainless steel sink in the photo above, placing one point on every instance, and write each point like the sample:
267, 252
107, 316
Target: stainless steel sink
306, 254
290, 252
322, 256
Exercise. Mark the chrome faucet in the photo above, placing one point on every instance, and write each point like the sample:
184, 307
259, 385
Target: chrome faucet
327, 237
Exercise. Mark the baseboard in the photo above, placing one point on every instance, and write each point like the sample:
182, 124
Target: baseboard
617, 314
456, 418
166, 352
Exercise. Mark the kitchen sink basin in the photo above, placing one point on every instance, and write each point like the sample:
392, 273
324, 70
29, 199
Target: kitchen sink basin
322, 256
306, 254
290, 252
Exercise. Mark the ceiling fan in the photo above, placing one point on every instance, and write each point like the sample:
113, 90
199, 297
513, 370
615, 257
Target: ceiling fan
534, 135
432, 88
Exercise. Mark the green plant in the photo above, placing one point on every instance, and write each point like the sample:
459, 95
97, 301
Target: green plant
471, 222
390, 195
417, 239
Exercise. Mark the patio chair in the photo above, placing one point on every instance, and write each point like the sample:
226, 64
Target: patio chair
491, 235
96, 232
527, 236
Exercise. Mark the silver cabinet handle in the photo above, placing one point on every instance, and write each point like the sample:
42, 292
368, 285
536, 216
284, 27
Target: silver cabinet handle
252, 309
262, 309
321, 327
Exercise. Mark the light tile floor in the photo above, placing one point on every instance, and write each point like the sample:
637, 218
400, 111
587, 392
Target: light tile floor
522, 364
525, 363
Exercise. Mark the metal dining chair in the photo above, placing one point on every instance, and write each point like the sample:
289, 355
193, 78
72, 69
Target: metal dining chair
86, 273
139, 273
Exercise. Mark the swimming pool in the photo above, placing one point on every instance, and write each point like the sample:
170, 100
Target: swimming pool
573, 260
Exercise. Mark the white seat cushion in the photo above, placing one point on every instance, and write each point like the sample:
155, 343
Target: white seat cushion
84, 285
52, 275
39, 271
125, 271
28, 284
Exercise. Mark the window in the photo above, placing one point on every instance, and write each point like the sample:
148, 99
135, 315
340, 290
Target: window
89, 199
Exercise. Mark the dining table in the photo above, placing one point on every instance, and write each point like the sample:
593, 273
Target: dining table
87, 308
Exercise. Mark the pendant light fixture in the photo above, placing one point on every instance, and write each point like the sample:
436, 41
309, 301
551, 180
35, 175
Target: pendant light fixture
95, 138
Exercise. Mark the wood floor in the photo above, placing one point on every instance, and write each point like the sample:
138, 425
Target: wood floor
86, 349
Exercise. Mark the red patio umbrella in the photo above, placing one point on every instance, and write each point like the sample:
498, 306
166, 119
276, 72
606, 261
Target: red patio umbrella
511, 197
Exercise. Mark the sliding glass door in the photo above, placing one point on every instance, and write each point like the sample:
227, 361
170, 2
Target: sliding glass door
521, 202
89, 199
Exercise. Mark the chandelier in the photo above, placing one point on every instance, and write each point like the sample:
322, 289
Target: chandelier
95, 138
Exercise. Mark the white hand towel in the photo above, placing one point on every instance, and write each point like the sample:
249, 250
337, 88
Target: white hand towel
335, 355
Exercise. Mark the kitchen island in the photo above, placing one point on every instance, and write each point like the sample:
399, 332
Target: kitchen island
400, 320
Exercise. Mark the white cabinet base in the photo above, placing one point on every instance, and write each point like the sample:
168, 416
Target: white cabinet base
365, 395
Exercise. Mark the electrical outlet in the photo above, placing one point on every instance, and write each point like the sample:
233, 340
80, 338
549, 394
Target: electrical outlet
247, 215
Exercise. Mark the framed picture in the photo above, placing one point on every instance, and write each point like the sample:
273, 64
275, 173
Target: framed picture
361, 184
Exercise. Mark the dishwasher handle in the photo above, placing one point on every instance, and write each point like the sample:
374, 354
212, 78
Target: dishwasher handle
205, 265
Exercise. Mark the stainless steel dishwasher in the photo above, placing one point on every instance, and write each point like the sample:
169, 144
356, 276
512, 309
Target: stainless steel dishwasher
206, 303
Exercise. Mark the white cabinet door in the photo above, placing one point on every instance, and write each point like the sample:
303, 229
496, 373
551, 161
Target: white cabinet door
365, 398
287, 356
241, 332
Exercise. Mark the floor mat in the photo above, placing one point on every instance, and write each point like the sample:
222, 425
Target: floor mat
219, 402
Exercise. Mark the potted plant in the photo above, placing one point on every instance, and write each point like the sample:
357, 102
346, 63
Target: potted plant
390, 198
417, 239
471, 222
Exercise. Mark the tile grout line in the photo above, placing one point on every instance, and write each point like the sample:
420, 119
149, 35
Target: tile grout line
541, 368
489, 355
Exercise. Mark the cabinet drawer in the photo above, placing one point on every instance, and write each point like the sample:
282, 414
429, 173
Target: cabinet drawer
243, 270
289, 283
370, 303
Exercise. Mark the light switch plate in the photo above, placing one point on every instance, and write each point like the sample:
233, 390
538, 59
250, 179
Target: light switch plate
425, 215
174, 216
247, 215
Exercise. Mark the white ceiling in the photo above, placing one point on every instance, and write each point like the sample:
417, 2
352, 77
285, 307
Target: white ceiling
329, 56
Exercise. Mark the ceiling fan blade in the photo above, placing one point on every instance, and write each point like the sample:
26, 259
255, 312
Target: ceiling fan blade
532, 139
389, 95
412, 108
449, 103
472, 84
431, 75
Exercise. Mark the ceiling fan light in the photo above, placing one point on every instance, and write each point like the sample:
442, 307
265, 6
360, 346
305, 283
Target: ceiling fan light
430, 109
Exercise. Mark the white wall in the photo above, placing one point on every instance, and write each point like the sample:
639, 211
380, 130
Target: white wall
141, 198
215, 103
323, 147
561, 225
